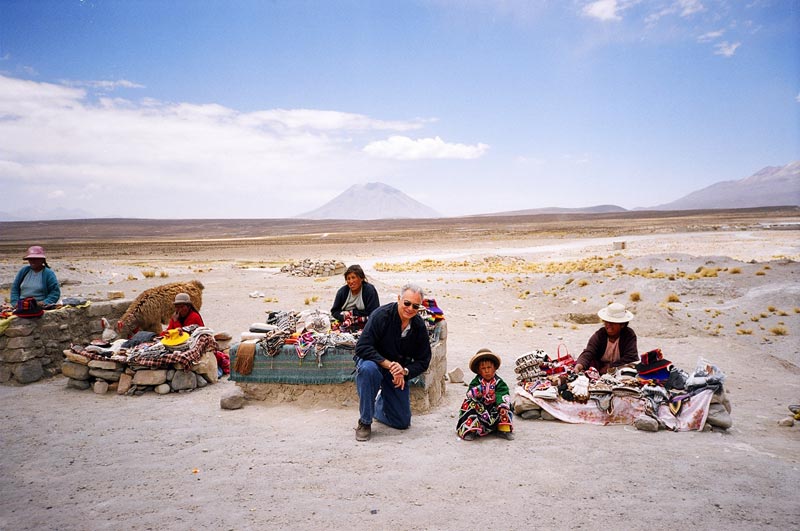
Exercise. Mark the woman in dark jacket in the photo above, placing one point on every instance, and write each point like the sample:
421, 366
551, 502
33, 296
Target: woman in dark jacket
613, 345
355, 300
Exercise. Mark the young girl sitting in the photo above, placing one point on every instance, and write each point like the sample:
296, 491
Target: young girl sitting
487, 407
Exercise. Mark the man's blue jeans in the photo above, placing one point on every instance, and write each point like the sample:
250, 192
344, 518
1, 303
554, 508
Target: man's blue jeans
392, 407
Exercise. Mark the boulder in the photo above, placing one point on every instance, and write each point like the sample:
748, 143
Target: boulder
645, 423
207, 367
124, 384
183, 380
232, 399
163, 389
456, 376
28, 372
100, 387
80, 385
150, 377
104, 364
719, 417
76, 358
75, 371
109, 376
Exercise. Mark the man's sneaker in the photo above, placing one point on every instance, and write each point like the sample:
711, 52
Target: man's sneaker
363, 432
507, 435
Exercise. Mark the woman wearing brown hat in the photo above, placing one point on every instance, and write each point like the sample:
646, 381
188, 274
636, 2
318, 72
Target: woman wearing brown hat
612, 345
36, 280
185, 313
487, 407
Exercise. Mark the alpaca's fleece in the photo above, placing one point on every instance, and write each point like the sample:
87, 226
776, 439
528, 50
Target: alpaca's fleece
154, 307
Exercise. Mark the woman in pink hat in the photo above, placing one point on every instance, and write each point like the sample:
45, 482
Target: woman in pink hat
36, 280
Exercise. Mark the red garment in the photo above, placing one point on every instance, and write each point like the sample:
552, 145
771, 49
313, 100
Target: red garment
223, 361
193, 318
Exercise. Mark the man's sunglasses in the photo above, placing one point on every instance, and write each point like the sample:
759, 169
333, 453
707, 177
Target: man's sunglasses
413, 305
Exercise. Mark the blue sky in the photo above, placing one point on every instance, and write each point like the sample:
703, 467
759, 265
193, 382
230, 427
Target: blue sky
237, 109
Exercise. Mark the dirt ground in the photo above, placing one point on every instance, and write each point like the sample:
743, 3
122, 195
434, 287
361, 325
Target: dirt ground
76, 460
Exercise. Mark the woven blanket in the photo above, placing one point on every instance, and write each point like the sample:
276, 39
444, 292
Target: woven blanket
186, 357
692, 415
336, 365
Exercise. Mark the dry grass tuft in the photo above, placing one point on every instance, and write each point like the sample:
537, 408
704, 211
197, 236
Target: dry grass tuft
635, 296
672, 297
527, 323
779, 331
744, 332
734, 271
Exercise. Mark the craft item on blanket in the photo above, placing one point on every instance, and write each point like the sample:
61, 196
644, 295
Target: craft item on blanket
174, 338
653, 366
677, 379
139, 338
313, 321
550, 393
223, 361
625, 371
344, 340
245, 357
592, 374
433, 309
28, 308
705, 374
263, 328
580, 388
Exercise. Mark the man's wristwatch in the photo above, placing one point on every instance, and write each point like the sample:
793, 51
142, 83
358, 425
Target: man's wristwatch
405, 371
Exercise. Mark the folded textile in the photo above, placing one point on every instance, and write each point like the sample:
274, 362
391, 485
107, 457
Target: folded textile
245, 357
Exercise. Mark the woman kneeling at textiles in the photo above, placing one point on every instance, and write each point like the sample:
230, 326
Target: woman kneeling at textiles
487, 407
355, 300
613, 345
36, 280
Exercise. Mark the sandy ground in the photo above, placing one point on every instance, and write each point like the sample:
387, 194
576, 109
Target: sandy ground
76, 460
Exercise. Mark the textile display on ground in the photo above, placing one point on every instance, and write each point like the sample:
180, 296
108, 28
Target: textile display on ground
651, 395
625, 409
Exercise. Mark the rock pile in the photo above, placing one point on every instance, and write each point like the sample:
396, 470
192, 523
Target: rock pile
315, 268
103, 376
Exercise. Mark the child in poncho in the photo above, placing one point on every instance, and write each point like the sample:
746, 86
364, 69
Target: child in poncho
487, 407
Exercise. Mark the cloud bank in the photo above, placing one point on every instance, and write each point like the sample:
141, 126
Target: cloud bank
66, 146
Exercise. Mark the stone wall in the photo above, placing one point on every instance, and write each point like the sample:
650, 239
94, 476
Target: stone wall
32, 349
104, 376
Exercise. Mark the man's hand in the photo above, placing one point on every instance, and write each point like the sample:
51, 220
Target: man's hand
398, 378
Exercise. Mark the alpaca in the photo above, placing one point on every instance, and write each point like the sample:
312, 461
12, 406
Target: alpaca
154, 307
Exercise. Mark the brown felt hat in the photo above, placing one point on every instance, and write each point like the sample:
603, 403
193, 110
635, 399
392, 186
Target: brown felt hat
483, 354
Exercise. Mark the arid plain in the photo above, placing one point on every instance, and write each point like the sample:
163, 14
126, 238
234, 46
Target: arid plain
723, 285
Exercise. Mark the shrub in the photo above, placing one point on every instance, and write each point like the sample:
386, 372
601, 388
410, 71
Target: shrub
527, 323
163, 274
635, 296
734, 271
672, 297
148, 273
583, 282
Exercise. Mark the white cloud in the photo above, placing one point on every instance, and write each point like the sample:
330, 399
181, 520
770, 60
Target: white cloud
690, 7
64, 148
726, 49
602, 10
710, 36
404, 148
103, 84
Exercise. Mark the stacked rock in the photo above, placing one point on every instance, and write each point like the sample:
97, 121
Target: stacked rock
314, 268
116, 376
30, 349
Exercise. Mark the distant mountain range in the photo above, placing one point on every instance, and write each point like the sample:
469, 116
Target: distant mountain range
371, 201
771, 186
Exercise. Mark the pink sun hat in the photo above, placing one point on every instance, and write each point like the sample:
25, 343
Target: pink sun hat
35, 251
